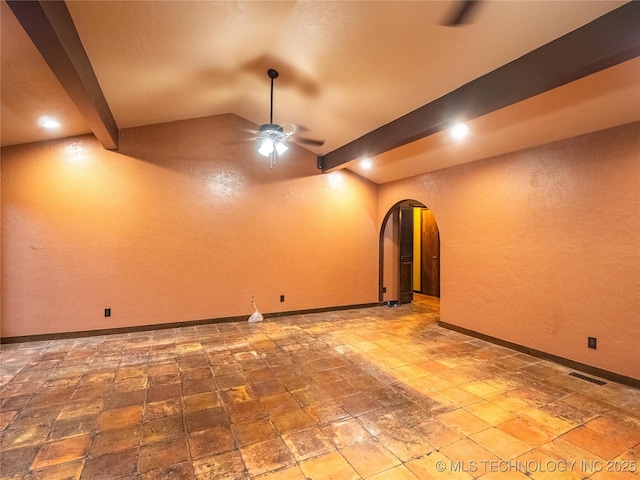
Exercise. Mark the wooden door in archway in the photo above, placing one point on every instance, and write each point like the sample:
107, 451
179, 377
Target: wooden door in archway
430, 255
405, 251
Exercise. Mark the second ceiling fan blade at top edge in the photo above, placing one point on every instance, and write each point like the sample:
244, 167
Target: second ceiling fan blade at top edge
463, 13
308, 141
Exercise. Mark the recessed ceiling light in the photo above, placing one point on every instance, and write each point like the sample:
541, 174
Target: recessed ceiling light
48, 123
459, 131
366, 164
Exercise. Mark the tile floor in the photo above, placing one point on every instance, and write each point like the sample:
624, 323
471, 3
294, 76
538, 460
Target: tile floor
377, 393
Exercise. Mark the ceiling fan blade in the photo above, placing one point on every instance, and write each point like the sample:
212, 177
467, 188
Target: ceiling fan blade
289, 128
463, 13
308, 141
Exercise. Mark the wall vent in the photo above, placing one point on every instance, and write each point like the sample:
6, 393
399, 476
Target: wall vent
588, 379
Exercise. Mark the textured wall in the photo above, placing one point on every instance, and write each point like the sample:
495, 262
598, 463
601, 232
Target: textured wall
183, 223
542, 247
539, 247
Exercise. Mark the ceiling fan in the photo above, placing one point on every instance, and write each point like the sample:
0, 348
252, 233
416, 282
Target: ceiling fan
273, 138
462, 13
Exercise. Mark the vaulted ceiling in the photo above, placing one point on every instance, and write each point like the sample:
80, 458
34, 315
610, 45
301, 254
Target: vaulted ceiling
346, 69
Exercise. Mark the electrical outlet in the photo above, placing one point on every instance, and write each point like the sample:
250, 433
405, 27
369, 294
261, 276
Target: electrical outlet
107, 312
591, 342
281, 298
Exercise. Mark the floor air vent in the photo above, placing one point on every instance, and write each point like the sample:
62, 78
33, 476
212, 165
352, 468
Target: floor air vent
588, 379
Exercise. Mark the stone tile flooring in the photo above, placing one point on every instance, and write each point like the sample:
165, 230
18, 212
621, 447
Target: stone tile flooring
377, 393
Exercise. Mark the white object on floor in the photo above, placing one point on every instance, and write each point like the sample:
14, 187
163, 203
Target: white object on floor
255, 316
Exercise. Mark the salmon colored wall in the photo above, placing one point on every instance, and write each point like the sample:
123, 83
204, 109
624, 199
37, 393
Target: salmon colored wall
539, 247
183, 223
542, 247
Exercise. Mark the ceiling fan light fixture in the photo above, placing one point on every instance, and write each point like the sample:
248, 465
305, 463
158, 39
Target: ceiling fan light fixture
281, 148
274, 136
266, 147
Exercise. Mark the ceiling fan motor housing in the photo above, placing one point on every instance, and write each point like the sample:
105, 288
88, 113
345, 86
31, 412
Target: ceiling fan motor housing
271, 127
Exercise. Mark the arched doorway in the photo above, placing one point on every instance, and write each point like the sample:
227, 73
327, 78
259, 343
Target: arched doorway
409, 253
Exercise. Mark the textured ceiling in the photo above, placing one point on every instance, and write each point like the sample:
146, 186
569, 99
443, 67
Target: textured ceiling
346, 68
